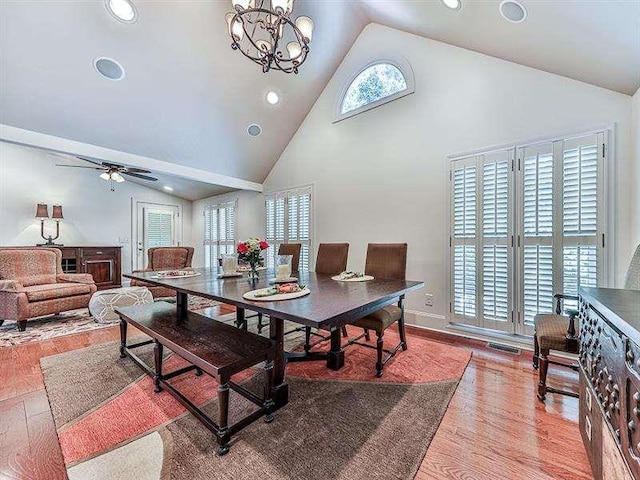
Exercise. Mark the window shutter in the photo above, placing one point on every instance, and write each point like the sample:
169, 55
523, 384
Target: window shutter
464, 283
538, 195
289, 220
220, 231
464, 187
579, 190
538, 280
159, 229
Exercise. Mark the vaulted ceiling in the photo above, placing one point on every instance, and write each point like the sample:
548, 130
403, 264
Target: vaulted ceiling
187, 98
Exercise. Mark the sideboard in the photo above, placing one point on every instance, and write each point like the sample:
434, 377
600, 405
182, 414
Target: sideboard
610, 381
104, 263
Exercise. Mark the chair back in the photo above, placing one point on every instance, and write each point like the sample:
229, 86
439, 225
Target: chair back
332, 258
167, 258
291, 249
31, 266
387, 260
632, 280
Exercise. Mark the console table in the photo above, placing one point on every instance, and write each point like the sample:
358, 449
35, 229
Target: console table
104, 263
610, 381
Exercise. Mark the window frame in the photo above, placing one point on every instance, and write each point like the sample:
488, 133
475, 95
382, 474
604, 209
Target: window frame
400, 63
606, 221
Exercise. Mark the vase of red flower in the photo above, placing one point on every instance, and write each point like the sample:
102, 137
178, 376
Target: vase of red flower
251, 252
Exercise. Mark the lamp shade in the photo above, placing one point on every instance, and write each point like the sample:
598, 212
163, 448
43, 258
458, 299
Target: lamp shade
305, 25
42, 211
57, 212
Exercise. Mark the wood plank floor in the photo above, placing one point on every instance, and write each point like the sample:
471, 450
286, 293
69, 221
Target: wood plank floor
494, 427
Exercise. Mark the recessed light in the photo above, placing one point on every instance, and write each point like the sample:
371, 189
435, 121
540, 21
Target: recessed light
254, 130
272, 98
109, 68
513, 11
122, 10
168, 188
452, 4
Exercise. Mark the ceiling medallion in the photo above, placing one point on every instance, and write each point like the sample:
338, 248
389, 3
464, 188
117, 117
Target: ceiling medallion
260, 33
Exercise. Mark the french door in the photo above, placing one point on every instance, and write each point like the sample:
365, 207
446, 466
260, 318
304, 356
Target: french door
527, 222
157, 226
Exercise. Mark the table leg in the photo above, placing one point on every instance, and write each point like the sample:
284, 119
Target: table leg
241, 321
182, 304
335, 359
280, 387
123, 338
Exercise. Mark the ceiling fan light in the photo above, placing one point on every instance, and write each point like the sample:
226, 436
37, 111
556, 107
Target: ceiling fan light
305, 25
105, 176
294, 49
116, 177
236, 30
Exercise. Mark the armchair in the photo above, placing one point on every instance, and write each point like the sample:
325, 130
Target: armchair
32, 284
164, 258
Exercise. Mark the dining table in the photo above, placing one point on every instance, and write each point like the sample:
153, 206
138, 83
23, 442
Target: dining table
330, 305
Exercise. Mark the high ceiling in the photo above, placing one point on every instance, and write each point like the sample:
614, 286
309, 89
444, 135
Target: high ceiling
187, 98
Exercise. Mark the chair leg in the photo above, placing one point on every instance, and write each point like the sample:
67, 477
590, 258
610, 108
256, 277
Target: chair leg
344, 331
367, 337
157, 356
307, 339
544, 366
22, 325
403, 334
536, 351
260, 326
379, 348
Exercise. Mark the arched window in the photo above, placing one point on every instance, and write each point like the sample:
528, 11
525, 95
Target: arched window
376, 84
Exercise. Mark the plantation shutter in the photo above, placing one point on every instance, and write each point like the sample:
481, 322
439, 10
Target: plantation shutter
159, 228
219, 231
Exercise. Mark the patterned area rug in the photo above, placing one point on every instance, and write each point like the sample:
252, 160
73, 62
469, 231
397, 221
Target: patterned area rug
68, 323
346, 424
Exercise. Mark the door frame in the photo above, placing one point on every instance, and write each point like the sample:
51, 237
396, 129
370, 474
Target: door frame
136, 207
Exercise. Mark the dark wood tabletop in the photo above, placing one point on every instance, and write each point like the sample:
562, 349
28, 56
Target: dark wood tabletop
330, 303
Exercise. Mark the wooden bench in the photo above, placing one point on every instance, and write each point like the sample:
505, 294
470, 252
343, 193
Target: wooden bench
210, 346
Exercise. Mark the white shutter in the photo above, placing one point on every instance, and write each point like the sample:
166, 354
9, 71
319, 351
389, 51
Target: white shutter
579, 190
159, 228
220, 231
464, 283
538, 281
464, 201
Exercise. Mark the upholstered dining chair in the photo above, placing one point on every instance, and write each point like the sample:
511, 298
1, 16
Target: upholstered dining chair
292, 249
384, 261
331, 260
559, 332
164, 258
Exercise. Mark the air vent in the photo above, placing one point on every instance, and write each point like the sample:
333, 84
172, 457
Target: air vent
504, 348
513, 11
109, 68
254, 130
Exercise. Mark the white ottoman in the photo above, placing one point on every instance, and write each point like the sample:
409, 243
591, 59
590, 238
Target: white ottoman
103, 302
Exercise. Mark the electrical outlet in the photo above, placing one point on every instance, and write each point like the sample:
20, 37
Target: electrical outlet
428, 299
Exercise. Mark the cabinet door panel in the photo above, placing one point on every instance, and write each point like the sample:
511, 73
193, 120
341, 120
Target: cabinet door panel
102, 270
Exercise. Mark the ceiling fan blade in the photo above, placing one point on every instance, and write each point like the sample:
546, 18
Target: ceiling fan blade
143, 177
136, 170
113, 165
80, 166
90, 161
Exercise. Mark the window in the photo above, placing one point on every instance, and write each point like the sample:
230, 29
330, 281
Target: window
376, 84
527, 222
289, 220
219, 231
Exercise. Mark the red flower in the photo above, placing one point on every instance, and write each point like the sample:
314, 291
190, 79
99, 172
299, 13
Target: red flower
242, 248
263, 245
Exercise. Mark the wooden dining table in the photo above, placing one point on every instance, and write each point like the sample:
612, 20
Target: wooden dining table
330, 305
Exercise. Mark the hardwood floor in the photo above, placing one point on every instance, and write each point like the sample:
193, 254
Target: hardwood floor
495, 428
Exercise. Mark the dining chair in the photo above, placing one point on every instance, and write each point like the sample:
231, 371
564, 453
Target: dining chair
294, 250
384, 261
559, 332
331, 260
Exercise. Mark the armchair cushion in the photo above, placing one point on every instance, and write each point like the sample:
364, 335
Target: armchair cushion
36, 266
38, 293
85, 278
12, 286
551, 330
381, 319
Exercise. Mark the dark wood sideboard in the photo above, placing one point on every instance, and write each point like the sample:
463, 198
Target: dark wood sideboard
104, 263
610, 381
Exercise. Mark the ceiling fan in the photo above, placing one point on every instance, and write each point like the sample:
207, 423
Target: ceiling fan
112, 172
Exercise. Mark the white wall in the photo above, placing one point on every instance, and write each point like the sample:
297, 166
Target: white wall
635, 132
382, 176
93, 215
250, 218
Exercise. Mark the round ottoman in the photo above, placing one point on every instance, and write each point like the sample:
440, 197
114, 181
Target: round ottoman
103, 302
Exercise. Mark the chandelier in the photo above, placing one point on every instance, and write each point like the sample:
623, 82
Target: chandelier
260, 32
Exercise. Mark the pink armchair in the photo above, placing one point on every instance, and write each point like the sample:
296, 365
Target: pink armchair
165, 258
32, 284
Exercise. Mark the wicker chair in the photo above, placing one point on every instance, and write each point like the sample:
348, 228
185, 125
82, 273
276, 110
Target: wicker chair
559, 332
384, 261
164, 258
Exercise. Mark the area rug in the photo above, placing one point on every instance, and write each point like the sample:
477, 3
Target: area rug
346, 424
68, 323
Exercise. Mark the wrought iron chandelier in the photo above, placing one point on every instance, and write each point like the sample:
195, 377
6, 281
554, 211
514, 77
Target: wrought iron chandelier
260, 33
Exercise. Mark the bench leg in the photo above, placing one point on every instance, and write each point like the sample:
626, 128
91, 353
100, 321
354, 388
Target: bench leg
223, 416
307, 339
123, 338
157, 355
268, 391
